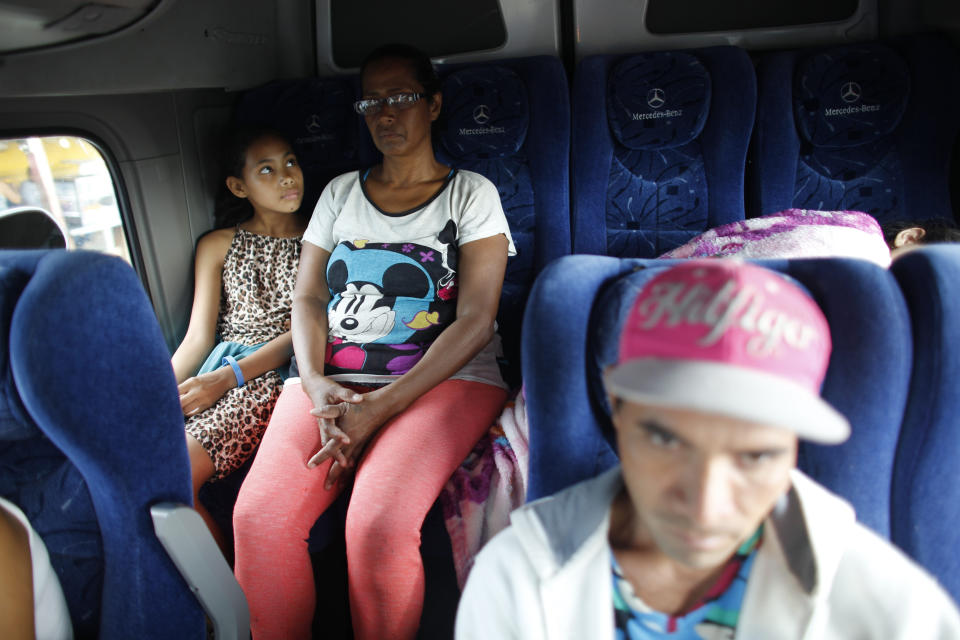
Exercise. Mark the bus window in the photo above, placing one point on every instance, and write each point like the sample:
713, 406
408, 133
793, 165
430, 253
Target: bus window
67, 177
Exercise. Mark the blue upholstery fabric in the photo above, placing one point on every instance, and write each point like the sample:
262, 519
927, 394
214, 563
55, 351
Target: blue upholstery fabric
47, 487
496, 130
567, 424
659, 145
91, 435
580, 303
832, 113
510, 122
317, 115
868, 127
926, 487
658, 100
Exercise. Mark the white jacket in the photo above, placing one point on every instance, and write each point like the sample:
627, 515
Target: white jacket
818, 575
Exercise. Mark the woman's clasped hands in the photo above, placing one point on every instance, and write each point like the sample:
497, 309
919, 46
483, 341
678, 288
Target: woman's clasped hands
347, 421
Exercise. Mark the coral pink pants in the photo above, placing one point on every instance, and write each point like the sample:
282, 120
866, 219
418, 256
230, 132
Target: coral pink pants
399, 478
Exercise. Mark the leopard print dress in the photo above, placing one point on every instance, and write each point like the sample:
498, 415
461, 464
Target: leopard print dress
255, 302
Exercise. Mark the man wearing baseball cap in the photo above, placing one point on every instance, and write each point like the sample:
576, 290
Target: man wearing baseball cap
706, 530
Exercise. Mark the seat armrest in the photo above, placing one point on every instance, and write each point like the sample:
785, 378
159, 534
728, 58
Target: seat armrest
188, 542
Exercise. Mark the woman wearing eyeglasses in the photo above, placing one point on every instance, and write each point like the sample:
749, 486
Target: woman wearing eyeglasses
393, 330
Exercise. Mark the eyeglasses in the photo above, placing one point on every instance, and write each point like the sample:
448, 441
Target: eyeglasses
373, 106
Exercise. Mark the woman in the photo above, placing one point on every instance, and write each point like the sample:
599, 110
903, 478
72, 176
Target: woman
393, 331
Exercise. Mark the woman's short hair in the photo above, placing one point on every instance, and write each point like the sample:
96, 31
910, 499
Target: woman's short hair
423, 69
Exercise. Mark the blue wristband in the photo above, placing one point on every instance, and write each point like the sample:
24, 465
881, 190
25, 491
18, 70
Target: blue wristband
230, 360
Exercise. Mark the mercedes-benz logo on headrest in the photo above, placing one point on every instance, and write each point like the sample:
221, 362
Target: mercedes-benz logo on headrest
850, 92
313, 123
656, 98
481, 115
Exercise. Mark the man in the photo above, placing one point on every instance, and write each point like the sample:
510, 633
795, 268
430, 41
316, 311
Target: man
706, 530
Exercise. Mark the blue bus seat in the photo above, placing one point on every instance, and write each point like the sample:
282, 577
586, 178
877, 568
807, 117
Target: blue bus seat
573, 322
91, 439
659, 146
926, 486
866, 127
510, 122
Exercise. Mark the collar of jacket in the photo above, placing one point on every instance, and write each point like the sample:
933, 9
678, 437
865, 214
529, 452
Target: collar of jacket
793, 571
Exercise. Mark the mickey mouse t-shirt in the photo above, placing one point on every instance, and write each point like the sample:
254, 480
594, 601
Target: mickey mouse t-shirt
393, 276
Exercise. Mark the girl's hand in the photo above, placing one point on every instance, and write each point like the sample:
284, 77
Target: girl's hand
201, 392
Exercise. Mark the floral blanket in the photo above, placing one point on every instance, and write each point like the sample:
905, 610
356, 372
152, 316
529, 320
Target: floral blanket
492, 482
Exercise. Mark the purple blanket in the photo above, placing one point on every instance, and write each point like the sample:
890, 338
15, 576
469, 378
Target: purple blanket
794, 233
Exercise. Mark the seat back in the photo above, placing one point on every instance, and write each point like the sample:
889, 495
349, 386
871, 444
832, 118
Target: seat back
29, 228
510, 122
91, 435
659, 146
866, 127
926, 491
317, 116
580, 303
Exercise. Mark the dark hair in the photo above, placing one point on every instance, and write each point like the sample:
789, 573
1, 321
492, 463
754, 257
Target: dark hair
935, 230
228, 209
423, 69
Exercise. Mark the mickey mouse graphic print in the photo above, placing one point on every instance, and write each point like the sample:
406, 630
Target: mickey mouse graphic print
389, 302
393, 276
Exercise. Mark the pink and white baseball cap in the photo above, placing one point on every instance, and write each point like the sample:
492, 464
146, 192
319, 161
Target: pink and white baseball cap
723, 336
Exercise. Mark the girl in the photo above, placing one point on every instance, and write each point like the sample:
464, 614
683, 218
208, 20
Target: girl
393, 324
245, 272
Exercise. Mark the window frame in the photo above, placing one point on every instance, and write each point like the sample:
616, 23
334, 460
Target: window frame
130, 235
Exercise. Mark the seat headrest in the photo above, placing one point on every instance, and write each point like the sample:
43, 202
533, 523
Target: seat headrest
609, 313
485, 113
658, 100
29, 228
849, 96
316, 114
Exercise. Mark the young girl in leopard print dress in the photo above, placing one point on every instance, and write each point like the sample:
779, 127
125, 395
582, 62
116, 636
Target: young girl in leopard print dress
231, 363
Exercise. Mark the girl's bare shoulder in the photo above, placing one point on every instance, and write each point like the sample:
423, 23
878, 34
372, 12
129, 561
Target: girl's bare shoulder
214, 245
